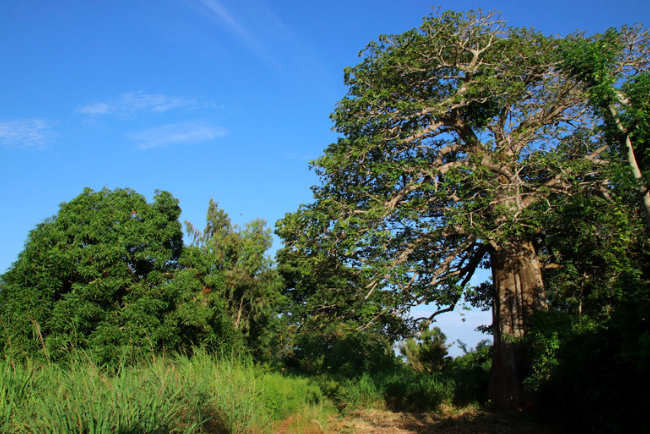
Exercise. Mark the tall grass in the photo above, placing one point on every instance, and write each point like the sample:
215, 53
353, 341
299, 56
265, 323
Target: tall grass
14, 384
162, 395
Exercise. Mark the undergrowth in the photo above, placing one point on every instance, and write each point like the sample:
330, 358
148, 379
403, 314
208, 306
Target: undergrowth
211, 394
403, 389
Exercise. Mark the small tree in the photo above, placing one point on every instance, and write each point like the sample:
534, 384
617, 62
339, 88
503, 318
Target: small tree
427, 352
248, 285
201, 314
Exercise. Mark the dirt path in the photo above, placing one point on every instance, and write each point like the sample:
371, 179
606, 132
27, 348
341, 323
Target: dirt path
464, 422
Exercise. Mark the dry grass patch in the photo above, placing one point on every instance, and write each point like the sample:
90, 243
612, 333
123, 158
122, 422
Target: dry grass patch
448, 420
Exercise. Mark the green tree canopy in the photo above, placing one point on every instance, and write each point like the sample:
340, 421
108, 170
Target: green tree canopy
457, 137
331, 330
614, 68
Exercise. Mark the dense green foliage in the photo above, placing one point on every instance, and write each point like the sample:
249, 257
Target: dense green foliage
462, 382
465, 144
110, 274
613, 68
590, 351
341, 351
458, 137
329, 330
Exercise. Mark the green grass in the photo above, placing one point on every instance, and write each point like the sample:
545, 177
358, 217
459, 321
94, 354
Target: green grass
162, 395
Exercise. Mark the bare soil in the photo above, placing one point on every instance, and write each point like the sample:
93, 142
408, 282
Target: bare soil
446, 421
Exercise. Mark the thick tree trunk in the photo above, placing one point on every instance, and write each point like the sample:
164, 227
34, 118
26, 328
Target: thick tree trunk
518, 292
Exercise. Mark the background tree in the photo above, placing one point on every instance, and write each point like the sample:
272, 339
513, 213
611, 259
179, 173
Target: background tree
457, 137
93, 276
614, 68
427, 352
248, 284
201, 315
594, 244
324, 288
594, 343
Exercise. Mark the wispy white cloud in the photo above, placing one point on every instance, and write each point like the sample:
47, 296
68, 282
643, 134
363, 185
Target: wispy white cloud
265, 35
293, 155
217, 8
184, 133
253, 24
24, 133
129, 103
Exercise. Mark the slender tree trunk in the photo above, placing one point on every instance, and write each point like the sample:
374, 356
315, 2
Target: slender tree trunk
518, 292
642, 190
239, 311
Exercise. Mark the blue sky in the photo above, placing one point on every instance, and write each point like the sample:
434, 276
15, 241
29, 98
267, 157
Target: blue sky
206, 99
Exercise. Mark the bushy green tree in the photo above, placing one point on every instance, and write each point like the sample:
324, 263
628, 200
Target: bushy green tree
95, 276
335, 326
201, 313
591, 351
479, 355
320, 291
340, 349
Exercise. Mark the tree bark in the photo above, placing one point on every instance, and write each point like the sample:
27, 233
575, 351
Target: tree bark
518, 292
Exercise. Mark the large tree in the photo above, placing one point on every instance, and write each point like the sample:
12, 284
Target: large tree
456, 137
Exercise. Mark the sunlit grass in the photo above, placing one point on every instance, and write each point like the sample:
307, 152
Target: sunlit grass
162, 395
